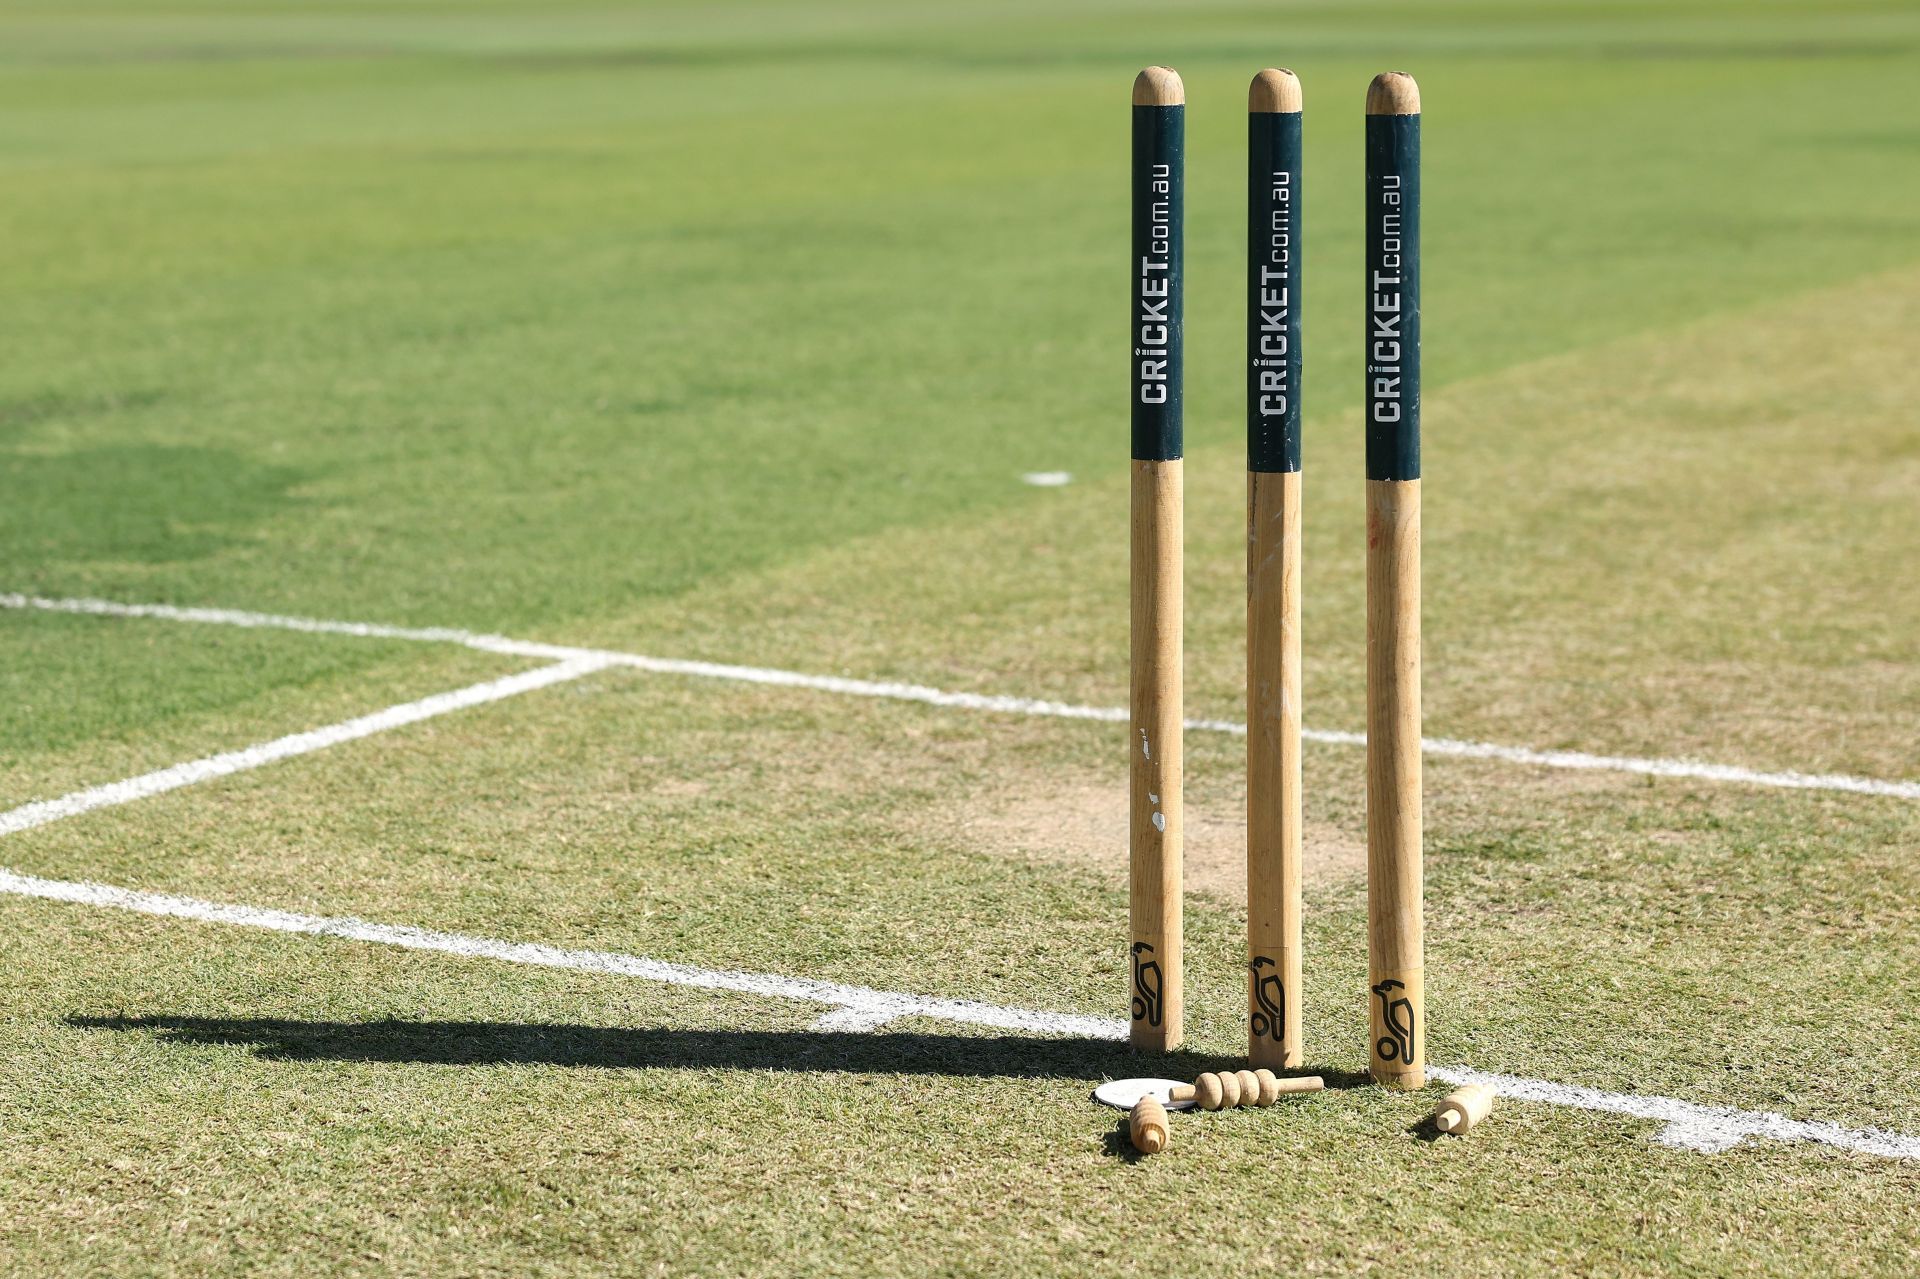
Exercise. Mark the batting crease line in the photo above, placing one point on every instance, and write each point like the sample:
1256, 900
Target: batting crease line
1689, 1125
28, 816
1706, 1129
856, 1007
1684, 769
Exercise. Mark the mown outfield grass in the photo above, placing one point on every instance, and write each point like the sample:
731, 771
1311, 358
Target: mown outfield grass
726, 331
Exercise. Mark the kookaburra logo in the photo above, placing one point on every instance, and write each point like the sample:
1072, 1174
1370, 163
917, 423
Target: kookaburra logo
1397, 1016
1147, 1005
1270, 999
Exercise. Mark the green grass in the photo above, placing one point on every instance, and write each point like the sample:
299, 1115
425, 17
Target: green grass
726, 331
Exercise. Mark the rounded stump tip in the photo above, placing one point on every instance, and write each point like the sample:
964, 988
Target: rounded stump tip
1159, 87
1393, 93
1274, 91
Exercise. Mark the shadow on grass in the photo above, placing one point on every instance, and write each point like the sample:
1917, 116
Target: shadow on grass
459, 1043
480, 1043
1118, 1144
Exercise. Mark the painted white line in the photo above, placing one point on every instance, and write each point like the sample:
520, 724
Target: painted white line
1679, 769
1048, 479
278, 622
1687, 769
852, 1021
28, 816
865, 1008
1688, 1125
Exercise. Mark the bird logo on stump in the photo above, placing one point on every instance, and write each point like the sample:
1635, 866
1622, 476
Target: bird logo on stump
1270, 993
1397, 1016
1147, 1004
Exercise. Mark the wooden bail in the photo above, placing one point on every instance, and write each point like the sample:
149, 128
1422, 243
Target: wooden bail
1462, 1108
1147, 1126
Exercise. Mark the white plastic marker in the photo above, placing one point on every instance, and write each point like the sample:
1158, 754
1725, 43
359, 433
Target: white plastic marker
1123, 1094
1443, 747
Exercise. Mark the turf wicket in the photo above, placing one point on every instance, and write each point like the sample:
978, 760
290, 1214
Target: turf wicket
1397, 1052
1273, 570
1154, 808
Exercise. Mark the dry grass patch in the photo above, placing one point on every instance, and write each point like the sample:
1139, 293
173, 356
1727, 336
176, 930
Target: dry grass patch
1078, 822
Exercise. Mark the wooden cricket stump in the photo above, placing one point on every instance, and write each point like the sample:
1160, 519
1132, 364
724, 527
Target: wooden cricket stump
1154, 737
1273, 571
1396, 970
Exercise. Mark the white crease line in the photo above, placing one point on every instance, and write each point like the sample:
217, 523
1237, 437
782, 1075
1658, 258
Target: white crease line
1688, 1125
1690, 769
858, 1007
237, 617
28, 816
852, 1021
1682, 769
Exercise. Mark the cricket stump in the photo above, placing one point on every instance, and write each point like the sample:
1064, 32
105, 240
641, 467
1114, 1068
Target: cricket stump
1395, 967
1153, 744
